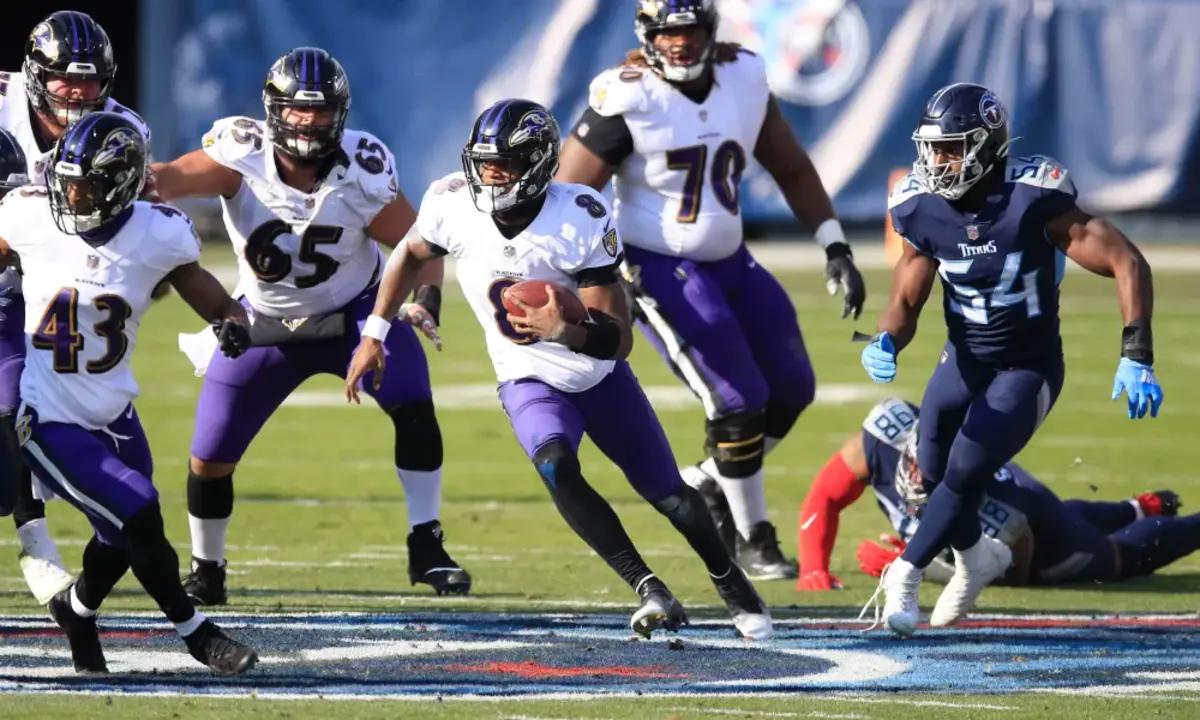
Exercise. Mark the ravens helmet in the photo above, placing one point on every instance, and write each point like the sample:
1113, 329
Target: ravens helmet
653, 16
306, 78
13, 168
97, 170
523, 137
73, 45
962, 136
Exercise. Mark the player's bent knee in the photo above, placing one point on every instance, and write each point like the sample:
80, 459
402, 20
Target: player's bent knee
210, 469
735, 442
145, 527
418, 443
557, 464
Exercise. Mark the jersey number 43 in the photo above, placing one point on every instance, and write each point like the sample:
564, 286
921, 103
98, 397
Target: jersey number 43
58, 331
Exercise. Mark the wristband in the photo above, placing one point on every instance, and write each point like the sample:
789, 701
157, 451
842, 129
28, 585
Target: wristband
829, 233
1137, 342
430, 298
602, 341
376, 327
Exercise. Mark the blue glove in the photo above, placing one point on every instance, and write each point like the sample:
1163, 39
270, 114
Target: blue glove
879, 358
1138, 381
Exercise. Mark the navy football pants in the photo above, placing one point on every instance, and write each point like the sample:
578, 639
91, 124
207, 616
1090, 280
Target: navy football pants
974, 418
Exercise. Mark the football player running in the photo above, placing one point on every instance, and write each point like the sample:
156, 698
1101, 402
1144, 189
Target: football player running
506, 220
1052, 541
68, 72
672, 127
995, 229
303, 199
91, 256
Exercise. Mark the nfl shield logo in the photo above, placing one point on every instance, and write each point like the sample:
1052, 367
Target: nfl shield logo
972, 232
509, 251
93, 262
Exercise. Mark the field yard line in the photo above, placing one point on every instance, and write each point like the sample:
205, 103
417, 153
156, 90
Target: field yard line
767, 713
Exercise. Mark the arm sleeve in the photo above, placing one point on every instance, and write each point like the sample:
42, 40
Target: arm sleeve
834, 489
607, 137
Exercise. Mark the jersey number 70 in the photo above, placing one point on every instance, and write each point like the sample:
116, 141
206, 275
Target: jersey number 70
729, 162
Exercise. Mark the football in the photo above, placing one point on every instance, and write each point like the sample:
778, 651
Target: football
533, 292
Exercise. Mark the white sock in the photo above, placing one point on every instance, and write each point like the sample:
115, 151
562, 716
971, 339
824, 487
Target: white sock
422, 494
77, 605
208, 537
746, 497
693, 475
1139, 514
187, 627
36, 541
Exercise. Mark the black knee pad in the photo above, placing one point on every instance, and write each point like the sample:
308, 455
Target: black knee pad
735, 442
557, 465
418, 437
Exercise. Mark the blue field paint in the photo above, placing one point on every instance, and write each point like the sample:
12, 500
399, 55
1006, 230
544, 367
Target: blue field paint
498, 655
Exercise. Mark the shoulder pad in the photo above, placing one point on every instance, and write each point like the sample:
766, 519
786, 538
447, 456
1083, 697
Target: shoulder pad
177, 241
619, 90
905, 188
374, 164
451, 183
234, 139
1040, 171
891, 421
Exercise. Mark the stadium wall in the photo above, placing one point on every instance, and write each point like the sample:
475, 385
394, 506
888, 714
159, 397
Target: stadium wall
1110, 88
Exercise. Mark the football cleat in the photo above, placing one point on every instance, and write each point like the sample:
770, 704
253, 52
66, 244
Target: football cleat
221, 653
659, 609
82, 634
749, 612
714, 500
899, 584
974, 569
205, 584
761, 557
1160, 502
45, 576
429, 563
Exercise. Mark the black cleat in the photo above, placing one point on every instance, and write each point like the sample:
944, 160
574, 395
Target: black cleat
221, 653
748, 611
659, 609
429, 563
718, 508
760, 555
205, 584
81, 634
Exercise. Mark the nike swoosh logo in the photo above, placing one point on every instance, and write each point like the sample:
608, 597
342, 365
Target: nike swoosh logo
811, 519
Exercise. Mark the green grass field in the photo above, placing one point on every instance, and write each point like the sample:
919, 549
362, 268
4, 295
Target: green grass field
319, 521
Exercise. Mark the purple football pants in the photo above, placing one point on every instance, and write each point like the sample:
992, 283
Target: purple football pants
727, 328
12, 348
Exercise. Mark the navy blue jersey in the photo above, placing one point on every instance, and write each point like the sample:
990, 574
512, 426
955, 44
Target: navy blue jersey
1012, 503
999, 270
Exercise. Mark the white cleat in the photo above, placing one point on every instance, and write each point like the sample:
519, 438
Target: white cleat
755, 626
974, 569
659, 609
746, 608
44, 576
900, 584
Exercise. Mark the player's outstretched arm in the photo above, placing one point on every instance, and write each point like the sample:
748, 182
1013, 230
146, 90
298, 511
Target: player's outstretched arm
838, 484
781, 154
208, 298
911, 282
1099, 246
192, 175
578, 164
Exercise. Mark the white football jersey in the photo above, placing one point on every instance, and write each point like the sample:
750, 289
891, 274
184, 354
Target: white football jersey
302, 254
574, 232
83, 304
677, 193
16, 117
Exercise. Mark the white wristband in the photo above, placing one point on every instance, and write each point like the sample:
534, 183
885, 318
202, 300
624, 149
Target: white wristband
376, 327
830, 232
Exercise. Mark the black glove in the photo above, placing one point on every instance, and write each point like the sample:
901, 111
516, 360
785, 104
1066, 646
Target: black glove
840, 271
233, 337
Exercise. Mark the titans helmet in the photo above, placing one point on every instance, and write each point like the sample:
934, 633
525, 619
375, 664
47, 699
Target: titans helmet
13, 168
653, 16
307, 78
970, 121
97, 170
910, 483
524, 137
67, 44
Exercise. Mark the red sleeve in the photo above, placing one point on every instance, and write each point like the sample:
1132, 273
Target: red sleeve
834, 488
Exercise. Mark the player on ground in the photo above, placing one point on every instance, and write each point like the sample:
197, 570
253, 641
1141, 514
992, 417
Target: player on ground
303, 199
996, 230
1052, 541
505, 220
13, 174
68, 72
672, 127
91, 256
